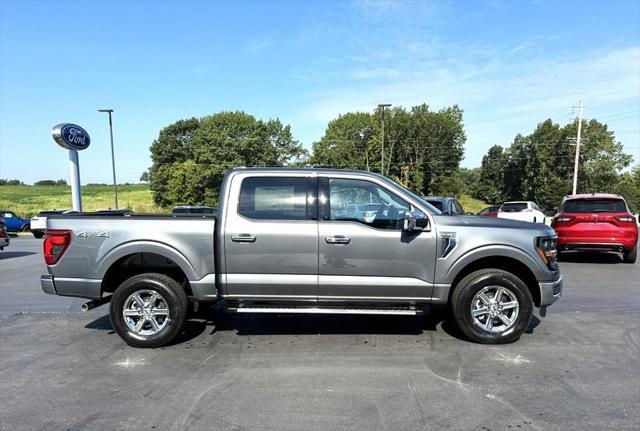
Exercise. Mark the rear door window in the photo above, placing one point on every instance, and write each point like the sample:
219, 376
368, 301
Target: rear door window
595, 206
274, 198
514, 207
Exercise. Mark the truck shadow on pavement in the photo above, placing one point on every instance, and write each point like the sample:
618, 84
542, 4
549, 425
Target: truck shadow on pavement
291, 324
590, 257
12, 254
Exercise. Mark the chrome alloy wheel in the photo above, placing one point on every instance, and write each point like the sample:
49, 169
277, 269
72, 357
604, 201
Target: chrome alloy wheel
145, 312
494, 309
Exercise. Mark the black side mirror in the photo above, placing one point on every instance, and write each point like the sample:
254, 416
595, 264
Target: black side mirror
550, 213
415, 221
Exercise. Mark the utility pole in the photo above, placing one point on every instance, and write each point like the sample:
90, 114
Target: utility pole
113, 160
575, 166
382, 106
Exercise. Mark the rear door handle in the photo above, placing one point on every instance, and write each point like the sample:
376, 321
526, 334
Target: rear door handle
338, 239
243, 237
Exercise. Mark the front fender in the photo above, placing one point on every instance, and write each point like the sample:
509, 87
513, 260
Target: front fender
154, 247
498, 250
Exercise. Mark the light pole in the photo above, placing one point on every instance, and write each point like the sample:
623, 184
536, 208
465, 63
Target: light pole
382, 106
113, 159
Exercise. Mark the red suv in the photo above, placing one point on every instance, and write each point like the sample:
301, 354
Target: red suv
596, 222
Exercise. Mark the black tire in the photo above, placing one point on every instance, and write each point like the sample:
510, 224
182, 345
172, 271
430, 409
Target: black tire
26, 228
472, 284
631, 256
172, 294
37, 234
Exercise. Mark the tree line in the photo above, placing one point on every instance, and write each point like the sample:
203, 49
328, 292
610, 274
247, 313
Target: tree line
8, 182
423, 150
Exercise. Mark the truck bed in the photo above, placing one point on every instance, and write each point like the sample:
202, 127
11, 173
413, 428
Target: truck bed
98, 241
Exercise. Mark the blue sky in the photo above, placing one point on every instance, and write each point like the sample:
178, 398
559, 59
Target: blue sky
508, 64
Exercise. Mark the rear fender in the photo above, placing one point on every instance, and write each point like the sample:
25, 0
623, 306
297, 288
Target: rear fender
154, 247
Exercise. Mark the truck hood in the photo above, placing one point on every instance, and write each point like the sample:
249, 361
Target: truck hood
540, 229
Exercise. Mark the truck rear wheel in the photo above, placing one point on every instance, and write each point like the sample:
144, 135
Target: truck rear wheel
492, 306
148, 310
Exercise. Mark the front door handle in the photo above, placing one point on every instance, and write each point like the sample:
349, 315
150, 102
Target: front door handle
243, 237
338, 239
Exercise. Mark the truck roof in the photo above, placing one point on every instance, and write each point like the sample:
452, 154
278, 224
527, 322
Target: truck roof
311, 170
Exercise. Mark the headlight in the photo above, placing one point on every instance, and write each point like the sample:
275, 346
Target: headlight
546, 249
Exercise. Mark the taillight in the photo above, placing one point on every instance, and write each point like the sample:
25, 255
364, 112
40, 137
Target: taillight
626, 219
563, 219
55, 243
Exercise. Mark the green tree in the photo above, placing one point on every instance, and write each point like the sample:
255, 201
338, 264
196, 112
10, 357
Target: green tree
628, 186
539, 167
190, 157
422, 150
348, 142
491, 182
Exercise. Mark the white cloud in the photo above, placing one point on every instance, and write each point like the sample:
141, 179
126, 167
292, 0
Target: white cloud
502, 90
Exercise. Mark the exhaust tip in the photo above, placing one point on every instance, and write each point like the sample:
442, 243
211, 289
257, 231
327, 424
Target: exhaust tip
85, 307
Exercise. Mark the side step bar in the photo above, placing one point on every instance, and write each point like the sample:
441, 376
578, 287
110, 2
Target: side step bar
327, 310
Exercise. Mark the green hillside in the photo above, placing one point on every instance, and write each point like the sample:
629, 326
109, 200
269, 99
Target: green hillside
29, 200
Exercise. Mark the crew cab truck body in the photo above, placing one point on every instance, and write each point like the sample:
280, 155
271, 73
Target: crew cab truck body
282, 242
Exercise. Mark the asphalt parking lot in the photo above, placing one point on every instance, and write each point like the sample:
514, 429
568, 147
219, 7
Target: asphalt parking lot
578, 368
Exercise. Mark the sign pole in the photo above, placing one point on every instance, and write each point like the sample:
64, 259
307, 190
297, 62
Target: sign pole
74, 176
73, 138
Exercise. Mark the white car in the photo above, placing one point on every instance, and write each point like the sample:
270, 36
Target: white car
522, 211
39, 222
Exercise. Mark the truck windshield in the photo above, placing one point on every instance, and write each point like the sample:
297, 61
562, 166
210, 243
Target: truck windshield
427, 205
595, 206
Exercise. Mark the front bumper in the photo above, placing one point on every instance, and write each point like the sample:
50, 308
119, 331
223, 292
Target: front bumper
551, 291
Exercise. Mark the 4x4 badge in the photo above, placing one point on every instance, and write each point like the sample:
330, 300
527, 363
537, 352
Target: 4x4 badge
93, 234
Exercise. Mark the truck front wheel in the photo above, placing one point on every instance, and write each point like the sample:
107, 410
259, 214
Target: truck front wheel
492, 306
148, 310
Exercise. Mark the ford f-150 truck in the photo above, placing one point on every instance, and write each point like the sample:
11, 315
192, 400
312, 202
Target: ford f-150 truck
282, 242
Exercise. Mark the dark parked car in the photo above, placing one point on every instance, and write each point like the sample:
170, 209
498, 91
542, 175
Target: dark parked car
491, 211
4, 237
194, 209
448, 205
15, 223
596, 222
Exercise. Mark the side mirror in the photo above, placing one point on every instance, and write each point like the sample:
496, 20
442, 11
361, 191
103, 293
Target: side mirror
415, 221
550, 213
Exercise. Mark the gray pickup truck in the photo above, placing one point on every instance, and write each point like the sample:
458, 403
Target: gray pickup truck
305, 241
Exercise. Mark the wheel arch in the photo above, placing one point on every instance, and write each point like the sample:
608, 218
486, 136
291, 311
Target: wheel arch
505, 263
140, 257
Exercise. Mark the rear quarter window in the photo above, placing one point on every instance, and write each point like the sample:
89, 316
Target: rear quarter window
595, 206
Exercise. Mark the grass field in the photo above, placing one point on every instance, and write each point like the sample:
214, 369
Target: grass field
472, 205
29, 200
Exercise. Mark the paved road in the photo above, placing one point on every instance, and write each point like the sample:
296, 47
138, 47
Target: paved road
578, 368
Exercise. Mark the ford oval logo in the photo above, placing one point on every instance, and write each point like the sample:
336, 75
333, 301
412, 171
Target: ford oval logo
71, 136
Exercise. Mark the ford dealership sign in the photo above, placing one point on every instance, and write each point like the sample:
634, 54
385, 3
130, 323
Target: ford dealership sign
71, 136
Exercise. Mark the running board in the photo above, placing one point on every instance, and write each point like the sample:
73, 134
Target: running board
327, 310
